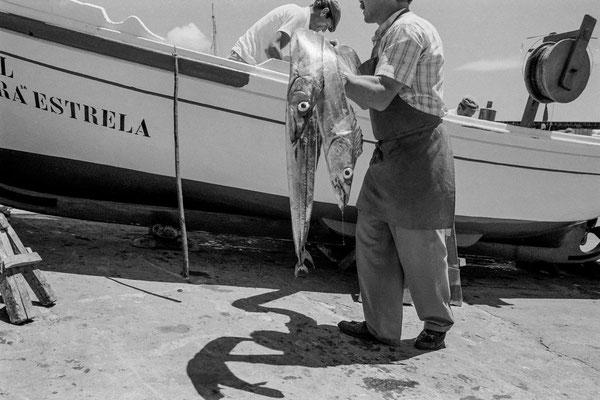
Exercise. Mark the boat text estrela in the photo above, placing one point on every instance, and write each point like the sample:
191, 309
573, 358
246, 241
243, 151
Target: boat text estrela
63, 107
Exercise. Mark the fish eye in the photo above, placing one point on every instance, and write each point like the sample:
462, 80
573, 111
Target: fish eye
348, 172
303, 106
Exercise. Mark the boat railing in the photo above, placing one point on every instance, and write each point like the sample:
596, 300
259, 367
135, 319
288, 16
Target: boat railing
514, 129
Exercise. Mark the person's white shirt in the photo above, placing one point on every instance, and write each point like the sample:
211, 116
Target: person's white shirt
253, 44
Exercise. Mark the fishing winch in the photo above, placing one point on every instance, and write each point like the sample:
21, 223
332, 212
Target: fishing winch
558, 70
543, 72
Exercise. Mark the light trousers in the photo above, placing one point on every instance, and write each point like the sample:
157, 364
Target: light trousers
387, 258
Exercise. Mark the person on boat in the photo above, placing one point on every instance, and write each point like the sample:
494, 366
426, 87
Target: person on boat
406, 204
268, 37
467, 107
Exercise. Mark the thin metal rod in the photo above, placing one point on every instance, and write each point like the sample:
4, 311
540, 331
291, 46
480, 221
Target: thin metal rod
186, 256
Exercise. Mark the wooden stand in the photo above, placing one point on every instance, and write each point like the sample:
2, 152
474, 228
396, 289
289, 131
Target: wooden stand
454, 264
16, 272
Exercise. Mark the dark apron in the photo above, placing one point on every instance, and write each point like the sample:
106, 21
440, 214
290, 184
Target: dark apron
410, 181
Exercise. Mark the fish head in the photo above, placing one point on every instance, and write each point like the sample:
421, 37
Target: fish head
340, 160
306, 83
301, 102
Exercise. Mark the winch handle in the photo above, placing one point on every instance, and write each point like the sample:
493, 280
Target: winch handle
576, 57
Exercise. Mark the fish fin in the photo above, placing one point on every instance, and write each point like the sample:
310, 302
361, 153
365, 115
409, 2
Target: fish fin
307, 257
301, 269
349, 60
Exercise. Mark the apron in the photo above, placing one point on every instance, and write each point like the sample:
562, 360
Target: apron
410, 180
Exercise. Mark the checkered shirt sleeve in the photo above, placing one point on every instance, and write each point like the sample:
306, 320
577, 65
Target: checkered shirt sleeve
414, 58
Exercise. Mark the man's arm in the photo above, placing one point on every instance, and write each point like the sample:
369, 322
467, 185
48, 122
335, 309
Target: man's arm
369, 91
281, 40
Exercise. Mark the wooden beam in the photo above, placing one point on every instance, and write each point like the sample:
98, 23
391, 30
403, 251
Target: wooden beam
20, 260
15, 295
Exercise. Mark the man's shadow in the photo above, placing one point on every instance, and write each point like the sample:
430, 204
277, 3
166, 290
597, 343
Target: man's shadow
307, 345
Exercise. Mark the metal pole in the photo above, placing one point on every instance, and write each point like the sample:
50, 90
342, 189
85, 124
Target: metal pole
186, 257
214, 30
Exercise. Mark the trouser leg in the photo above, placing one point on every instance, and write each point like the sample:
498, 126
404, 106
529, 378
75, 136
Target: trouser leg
423, 255
380, 278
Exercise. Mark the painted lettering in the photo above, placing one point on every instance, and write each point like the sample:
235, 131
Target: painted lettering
76, 111
40, 101
4, 68
122, 124
73, 107
143, 129
89, 113
18, 95
4, 90
56, 105
108, 119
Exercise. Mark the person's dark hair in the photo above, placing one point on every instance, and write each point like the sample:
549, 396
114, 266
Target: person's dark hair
335, 12
320, 4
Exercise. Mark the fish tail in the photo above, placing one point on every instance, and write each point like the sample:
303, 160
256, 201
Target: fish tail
301, 268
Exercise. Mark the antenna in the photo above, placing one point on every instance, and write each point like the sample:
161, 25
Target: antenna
214, 31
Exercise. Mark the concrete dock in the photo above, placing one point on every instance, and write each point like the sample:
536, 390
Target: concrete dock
127, 326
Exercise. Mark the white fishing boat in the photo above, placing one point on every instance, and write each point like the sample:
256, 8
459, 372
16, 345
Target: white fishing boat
87, 131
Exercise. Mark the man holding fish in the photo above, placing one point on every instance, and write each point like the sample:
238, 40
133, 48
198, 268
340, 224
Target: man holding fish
406, 203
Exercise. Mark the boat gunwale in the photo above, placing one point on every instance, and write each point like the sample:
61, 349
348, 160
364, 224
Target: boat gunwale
202, 69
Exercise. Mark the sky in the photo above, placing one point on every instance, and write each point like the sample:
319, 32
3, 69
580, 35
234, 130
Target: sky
485, 41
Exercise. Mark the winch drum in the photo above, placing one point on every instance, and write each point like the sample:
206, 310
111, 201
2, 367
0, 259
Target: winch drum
544, 68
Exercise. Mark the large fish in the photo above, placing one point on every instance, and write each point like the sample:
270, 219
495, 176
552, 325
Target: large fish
317, 112
339, 130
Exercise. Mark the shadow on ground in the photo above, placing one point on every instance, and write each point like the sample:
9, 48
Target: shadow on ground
99, 249
106, 250
92, 248
307, 344
493, 282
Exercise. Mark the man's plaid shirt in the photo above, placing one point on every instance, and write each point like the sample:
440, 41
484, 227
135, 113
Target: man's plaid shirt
410, 51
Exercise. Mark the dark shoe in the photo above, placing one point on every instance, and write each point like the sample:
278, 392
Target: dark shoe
430, 340
356, 329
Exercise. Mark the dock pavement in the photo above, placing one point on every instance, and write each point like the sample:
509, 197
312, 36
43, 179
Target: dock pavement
127, 326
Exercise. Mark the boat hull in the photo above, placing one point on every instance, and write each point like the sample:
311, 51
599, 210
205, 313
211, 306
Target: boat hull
86, 131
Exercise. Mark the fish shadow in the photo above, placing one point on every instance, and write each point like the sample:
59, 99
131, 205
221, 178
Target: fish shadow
307, 344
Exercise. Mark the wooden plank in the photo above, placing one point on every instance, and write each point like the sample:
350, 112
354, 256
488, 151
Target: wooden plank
16, 298
3, 253
37, 282
20, 260
3, 222
349, 260
12, 235
7, 249
454, 269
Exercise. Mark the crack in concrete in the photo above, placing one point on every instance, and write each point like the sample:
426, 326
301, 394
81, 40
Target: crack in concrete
558, 354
